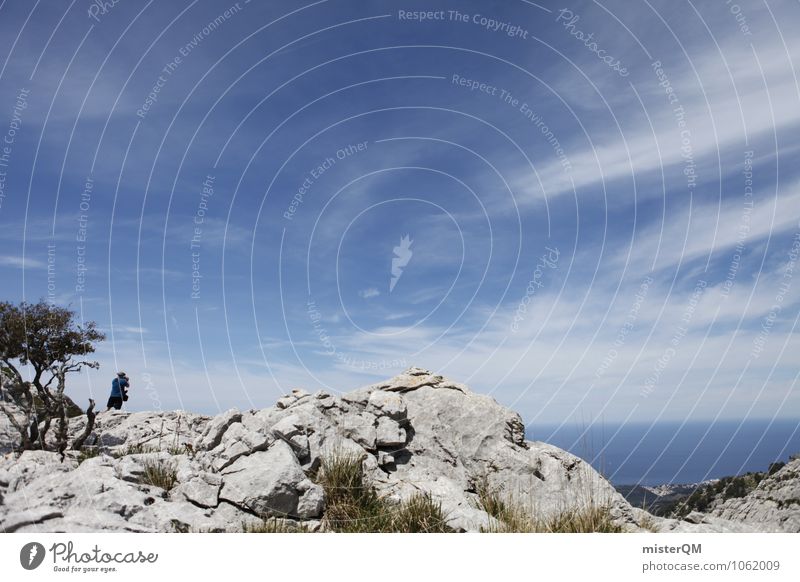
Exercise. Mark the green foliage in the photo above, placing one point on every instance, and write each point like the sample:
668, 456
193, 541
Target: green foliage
43, 335
775, 467
49, 341
708, 496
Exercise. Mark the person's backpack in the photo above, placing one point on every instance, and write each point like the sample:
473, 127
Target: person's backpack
124, 390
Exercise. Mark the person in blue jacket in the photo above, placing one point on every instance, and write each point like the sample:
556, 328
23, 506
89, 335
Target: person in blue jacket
119, 391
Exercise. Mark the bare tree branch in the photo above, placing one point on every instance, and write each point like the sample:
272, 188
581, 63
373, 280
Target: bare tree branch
51, 341
90, 416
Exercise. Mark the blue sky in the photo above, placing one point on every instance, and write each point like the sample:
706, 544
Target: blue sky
600, 226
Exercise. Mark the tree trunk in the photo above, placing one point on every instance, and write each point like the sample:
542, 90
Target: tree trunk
43, 432
90, 415
22, 429
24, 401
63, 425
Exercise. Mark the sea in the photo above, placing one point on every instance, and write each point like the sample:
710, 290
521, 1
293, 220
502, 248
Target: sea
674, 452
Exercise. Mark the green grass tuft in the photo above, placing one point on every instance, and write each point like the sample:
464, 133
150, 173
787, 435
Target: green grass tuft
87, 453
353, 505
176, 450
160, 473
273, 525
135, 449
420, 514
514, 517
141, 449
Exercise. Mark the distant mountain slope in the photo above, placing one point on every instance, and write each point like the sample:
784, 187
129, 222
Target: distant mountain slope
775, 500
768, 498
660, 500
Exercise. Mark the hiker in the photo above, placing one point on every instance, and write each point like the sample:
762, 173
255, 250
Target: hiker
119, 391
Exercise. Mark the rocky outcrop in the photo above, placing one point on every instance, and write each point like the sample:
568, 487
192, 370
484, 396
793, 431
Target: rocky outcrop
9, 437
116, 429
774, 504
416, 432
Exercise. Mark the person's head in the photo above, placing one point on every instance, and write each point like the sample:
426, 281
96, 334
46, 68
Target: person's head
122, 375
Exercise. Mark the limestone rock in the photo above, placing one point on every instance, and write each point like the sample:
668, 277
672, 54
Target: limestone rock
361, 428
389, 434
312, 500
117, 429
390, 404
269, 483
30, 466
290, 399
774, 503
212, 434
201, 489
236, 442
415, 433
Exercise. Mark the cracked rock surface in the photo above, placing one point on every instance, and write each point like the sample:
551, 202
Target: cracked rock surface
416, 432
774, 504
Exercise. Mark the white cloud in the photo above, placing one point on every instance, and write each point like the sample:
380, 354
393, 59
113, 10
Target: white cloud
369, 293
751, 93
21, 263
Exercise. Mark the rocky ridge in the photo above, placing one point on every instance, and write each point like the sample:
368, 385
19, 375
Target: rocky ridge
774, 502
417, 432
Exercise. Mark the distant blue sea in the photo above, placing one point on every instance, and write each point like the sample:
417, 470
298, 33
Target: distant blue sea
629, 454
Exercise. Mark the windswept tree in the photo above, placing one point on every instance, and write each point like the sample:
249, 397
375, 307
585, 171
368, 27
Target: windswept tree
47, 343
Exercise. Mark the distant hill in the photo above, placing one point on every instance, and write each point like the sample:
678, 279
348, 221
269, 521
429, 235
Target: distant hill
658, 500
679, 500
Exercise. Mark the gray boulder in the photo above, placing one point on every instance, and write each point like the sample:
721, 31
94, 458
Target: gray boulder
271, 483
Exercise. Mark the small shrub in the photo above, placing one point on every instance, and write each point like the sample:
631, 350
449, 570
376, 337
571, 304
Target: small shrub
160, 473
775, 467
